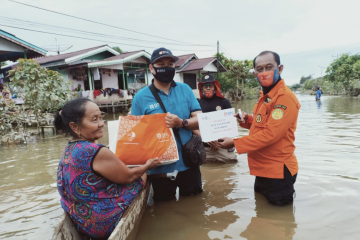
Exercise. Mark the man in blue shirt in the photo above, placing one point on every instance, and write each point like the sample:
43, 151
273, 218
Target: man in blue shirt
182, 107
318, 94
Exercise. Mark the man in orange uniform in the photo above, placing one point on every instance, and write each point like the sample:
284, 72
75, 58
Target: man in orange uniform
270, 144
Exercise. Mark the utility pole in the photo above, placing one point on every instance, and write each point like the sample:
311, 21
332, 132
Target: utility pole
321, 69
217, 65
335, 56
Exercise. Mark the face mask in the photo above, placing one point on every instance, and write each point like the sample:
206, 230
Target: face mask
268, 79
209, 94
164, 74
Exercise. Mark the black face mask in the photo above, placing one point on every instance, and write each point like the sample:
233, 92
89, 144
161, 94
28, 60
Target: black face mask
164, 74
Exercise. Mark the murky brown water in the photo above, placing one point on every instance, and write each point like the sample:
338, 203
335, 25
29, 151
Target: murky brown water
327, 188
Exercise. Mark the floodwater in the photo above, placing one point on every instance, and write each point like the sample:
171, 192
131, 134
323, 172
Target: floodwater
327, 188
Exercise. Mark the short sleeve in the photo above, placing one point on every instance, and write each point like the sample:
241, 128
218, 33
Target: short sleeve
135, 107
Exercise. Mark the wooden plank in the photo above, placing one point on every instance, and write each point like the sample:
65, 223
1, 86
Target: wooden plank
126, 229
129, 224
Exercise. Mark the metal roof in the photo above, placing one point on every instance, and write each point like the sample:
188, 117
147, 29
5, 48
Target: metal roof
120, 59
199, 64
32, 50
183, 59
66, 58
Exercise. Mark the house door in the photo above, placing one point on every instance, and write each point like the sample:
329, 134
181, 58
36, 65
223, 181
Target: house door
190, 79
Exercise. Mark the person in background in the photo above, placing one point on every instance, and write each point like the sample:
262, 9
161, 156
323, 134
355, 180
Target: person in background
182, 107
78, 89
5, 90
318, 94
212, 100
95, 186
270, 143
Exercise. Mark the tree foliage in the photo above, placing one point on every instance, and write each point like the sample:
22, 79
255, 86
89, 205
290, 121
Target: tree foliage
344, 69
238, 77
303, 79
118, 49
43, 90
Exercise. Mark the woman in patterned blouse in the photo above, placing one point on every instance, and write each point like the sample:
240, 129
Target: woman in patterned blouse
95, 186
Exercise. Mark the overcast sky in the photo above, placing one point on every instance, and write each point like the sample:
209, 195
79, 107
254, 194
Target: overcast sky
306, 34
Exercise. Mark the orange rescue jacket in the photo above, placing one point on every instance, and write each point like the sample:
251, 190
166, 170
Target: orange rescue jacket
270, 143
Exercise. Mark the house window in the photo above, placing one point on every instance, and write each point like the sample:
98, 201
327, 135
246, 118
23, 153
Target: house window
190, 79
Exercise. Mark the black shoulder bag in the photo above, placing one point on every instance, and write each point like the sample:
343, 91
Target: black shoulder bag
193, 152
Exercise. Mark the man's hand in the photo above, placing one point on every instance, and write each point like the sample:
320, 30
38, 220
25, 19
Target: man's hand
214, 146
172, 121
227, 143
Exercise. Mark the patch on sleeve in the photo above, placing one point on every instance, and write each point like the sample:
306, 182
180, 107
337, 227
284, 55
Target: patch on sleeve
258, 118
277, 114
280, 106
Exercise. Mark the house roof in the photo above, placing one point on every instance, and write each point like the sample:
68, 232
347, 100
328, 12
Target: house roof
31, 50
120, 59
199, 64
183, 59
75, 56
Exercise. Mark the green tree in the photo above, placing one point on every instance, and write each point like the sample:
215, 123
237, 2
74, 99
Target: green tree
344, 69
42, 89
238, 73
118, 49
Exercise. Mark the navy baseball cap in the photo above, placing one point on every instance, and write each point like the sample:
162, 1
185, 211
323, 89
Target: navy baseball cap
161, 53
207, 78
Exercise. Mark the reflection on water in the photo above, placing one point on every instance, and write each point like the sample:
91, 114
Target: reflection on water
327, 187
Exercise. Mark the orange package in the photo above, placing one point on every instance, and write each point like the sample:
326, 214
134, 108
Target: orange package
143, 137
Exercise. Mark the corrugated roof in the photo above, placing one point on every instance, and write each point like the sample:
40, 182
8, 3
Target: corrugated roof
120, 59
120, 56
199, 64
31, 50
64, 56
21, 42
183, 59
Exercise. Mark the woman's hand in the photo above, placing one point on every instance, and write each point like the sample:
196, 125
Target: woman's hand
152, 163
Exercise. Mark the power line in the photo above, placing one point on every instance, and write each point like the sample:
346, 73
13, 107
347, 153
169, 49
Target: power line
25, 23
88, 20
229, 56
95, 39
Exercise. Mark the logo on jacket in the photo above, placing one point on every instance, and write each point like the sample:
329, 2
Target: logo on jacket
131, 136
258, 118
218, 108
277, 114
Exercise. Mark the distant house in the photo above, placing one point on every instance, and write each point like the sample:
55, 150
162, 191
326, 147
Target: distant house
74, 65
189, 69
11, 49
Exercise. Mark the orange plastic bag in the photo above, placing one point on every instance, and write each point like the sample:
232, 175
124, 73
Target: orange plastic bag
143, 137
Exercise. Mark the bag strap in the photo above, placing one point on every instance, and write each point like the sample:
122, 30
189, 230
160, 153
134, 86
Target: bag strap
158, 99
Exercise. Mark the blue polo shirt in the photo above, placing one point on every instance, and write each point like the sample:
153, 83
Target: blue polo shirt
181, 102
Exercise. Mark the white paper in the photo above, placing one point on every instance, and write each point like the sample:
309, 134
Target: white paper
217, 124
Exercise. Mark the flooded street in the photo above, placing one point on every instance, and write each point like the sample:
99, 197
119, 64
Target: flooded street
327, 188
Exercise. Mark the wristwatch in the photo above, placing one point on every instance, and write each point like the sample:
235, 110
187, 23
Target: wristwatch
185, 123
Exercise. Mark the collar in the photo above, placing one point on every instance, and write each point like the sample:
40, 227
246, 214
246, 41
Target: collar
271, 94
173, 84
